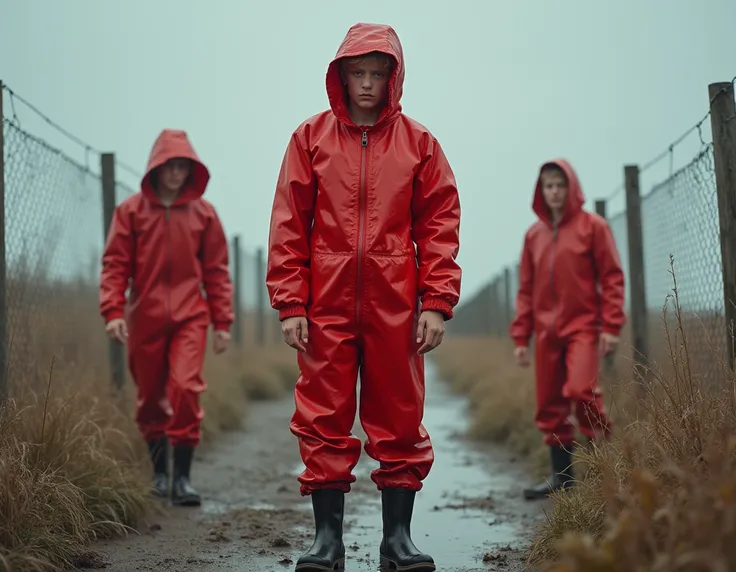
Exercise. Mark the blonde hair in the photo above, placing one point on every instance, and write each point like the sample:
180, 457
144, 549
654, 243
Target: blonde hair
382, 57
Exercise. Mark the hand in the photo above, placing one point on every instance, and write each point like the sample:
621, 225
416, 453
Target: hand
117, 330
430, 330
221, 341
521, 354
607, 344
295, 333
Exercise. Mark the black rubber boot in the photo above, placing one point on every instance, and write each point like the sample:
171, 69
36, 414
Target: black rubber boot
561, 478
397, 549
159, 453
183, 493
328, 551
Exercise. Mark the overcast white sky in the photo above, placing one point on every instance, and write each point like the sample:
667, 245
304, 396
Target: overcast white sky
503, 85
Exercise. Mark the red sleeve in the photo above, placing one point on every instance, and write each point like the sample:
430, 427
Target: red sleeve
436, 231
521, 327
216, 274
117, 265
287, 272
610, 276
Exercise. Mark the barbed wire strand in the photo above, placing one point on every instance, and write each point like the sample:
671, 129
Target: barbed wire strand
669, 151
86, 146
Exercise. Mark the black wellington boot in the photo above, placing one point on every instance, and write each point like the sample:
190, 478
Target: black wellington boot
183, 493
328, 550
561, 478
397, 549
159, 453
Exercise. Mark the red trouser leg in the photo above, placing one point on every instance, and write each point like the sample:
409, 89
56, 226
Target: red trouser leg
553, 408
582, 387
325, 398
392, 404
185, 383
148, 365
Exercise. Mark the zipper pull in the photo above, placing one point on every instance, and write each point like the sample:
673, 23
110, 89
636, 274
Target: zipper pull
365, 139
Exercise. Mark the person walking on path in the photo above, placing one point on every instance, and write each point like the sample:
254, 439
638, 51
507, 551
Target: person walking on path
363, 241
167, 243
571, 299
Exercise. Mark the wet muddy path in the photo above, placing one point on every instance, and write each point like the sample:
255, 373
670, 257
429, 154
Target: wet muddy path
469, 516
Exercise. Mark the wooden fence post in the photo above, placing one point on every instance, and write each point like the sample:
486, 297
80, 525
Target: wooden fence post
500, 312
507, 306
4, 350
261, 299
238, 292
637, 286
515, 293
107, 168
492, 311
723, 127
600, 208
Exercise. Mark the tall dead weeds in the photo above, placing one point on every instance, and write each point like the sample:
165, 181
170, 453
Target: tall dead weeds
73, 467
662, 494
69, 473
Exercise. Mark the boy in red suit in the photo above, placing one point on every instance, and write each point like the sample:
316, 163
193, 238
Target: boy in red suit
363, 239
571, 297
168, 242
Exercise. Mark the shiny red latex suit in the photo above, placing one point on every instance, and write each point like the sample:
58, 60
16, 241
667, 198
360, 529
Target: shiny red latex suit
571, 288
168, 256
350, 205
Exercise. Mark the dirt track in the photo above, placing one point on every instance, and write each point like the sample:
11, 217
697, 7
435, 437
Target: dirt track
469, 516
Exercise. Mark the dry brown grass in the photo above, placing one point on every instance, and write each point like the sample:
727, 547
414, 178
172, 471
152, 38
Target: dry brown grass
501, 395
239, 379
72, 464
662, 494
70, 471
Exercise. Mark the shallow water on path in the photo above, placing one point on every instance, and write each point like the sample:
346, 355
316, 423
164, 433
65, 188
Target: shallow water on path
454, 517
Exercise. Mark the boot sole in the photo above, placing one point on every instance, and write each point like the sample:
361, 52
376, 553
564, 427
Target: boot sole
535, 496
186, 501
389, 565
338, 566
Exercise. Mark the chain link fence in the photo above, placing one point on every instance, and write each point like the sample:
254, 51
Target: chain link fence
682, 248
53, 243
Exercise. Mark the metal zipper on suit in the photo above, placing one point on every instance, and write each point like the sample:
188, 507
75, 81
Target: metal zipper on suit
169, 263
361, 224
555, 234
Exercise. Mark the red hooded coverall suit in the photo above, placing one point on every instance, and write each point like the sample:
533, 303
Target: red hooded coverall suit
168, 255
571, 287
350, 204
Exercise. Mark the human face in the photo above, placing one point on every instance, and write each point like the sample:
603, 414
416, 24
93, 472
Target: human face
554, 190
173, 174
367, 83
